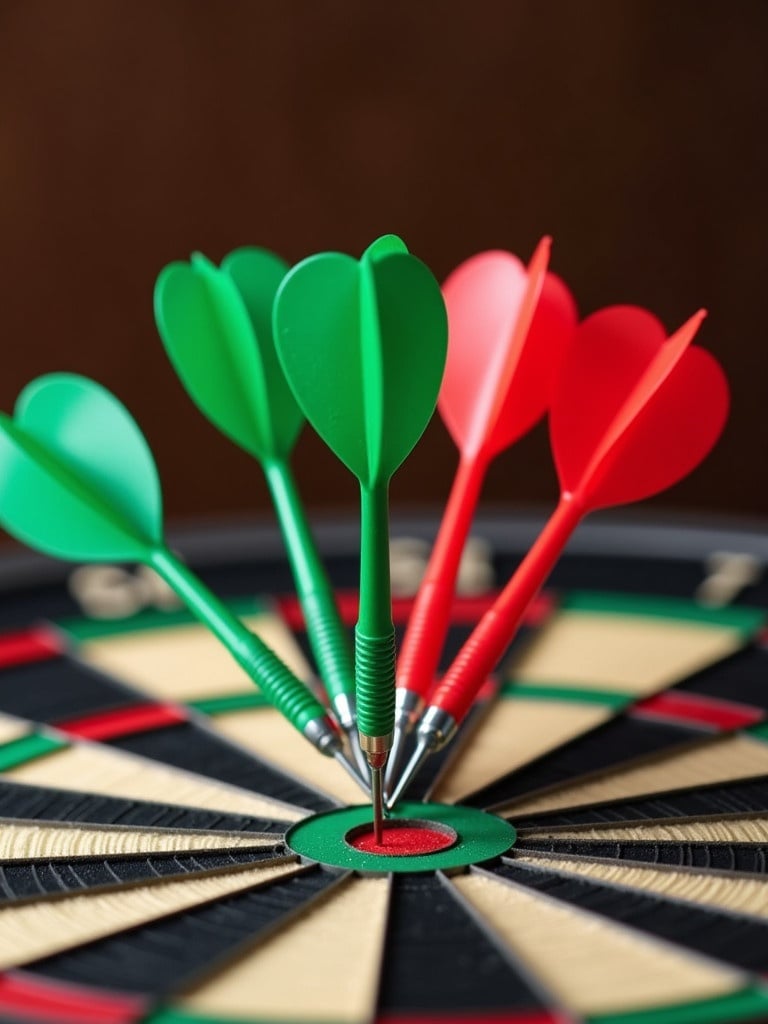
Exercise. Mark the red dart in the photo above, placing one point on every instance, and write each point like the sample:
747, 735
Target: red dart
507, 329
633, 412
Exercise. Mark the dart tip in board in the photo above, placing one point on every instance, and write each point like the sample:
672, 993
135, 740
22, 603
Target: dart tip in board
377, 796
419, 756
407, 837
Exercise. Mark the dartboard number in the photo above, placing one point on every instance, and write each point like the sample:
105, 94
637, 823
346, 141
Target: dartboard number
408, 557
728, 573
114, 592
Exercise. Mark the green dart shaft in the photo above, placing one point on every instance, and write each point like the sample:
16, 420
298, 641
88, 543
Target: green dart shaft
276, 681
375, 632
327, 635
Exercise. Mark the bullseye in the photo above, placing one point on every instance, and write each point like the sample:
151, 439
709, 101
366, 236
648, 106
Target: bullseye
405, 838
417, 837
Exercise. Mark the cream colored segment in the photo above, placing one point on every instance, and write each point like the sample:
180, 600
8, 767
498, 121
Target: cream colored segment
25, 840
12, 728
593, 965
338, 945
183, 663
725, 892
32, 930
728, 830
99, 769
637, 655
513, 733
265, 732
724, 759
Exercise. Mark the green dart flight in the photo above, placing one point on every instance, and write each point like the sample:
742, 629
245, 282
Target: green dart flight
78, 481
216, 325
363, 346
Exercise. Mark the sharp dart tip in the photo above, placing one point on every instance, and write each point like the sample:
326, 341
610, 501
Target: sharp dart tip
395, 755
420, 754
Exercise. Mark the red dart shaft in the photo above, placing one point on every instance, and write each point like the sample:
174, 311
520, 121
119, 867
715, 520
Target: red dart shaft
478, 657
430, 616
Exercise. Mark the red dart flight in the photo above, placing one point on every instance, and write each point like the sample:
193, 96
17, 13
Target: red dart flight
632, 413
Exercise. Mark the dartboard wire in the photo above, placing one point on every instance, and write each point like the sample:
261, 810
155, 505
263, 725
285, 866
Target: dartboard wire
550, 999
749, 980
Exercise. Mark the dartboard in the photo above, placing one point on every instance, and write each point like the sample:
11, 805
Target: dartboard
170, 851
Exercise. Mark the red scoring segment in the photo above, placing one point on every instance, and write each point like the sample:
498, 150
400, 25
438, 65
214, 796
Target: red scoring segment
403, 840
38, 644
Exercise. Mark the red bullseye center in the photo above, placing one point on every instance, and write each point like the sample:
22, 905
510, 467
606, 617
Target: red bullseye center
403, 838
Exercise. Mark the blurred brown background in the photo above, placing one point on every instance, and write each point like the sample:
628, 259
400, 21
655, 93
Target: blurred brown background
134, 132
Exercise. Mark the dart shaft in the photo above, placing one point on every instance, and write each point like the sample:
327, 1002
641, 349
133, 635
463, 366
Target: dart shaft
428, 623
276, 681
478, 657
327, 636
375, 633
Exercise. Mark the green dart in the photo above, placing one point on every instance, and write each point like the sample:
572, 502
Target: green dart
216, 325
363, 346
78, 481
